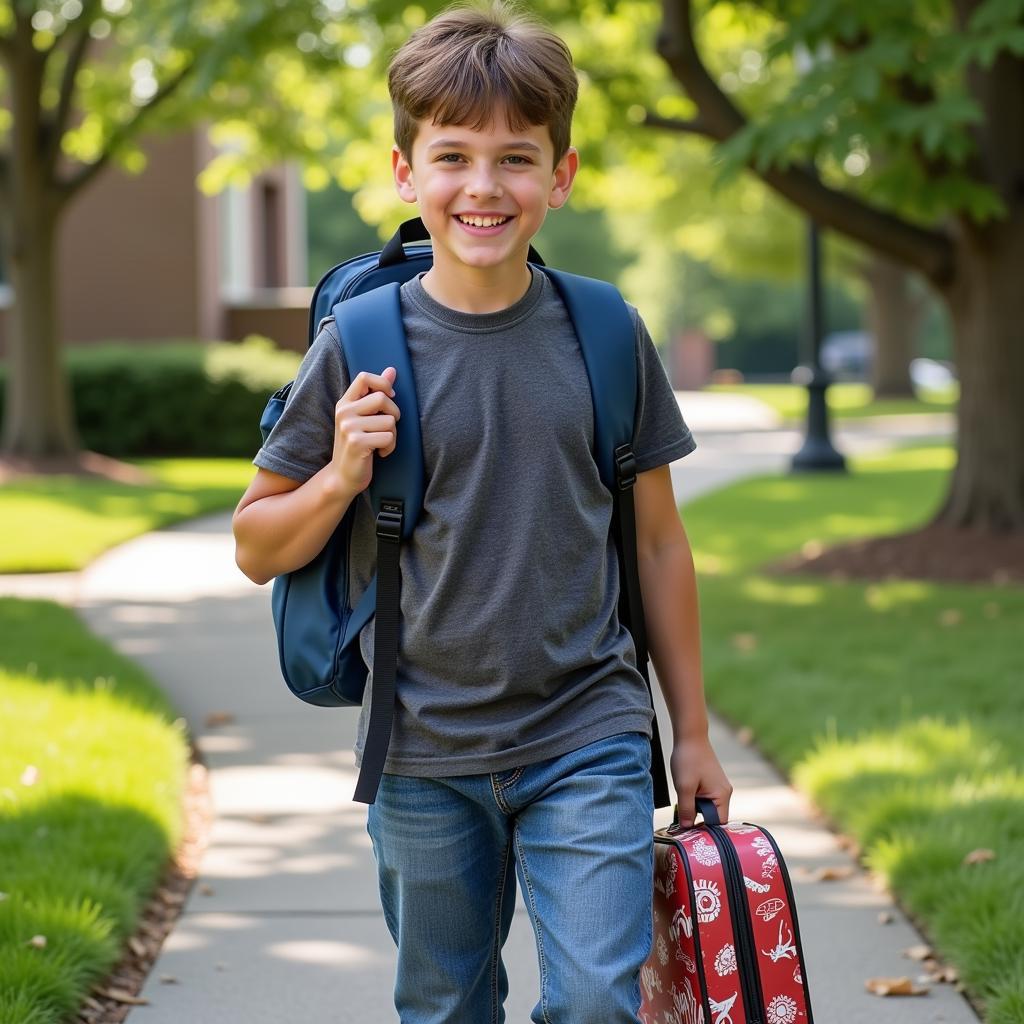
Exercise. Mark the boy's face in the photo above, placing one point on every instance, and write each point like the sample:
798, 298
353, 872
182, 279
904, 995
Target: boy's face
458, 174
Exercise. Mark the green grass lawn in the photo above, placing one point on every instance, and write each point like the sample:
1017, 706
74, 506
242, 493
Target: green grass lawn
896, 706
93, 765
63, 522
845, 400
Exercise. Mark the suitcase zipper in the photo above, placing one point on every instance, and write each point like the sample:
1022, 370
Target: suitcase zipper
739, 909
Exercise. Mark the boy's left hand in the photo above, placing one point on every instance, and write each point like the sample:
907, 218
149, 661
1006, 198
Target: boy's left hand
696, 772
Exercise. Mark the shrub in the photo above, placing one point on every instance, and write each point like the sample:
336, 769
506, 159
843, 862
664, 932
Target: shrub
175, 397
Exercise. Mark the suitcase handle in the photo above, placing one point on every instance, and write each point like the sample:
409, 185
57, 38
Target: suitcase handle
705, 807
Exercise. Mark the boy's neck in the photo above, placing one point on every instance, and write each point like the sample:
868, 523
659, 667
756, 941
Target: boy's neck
487, 290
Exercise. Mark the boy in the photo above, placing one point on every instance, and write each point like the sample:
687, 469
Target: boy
521, 736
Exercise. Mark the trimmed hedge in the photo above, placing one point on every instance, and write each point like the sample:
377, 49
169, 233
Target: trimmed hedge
176, 397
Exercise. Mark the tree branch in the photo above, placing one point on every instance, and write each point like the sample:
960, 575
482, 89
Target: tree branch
57, 125
674, 124
931, 252
69, 186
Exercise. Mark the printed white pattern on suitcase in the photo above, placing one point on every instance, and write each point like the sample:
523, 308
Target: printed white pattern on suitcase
725, 962
681, 923
706, 853
708, 899
722, 1010
781, 1010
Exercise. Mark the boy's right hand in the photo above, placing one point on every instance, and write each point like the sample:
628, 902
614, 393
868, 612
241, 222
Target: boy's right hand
365, 421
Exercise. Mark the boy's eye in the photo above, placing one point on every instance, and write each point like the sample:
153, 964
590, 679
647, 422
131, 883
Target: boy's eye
450, 158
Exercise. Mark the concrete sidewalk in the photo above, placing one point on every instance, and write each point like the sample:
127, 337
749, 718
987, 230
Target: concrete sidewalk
284, 923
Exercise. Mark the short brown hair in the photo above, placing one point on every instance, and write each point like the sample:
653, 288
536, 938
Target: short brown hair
471, 59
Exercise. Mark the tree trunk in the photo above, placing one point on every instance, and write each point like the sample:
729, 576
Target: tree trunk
38, 420
893, 317
987, 306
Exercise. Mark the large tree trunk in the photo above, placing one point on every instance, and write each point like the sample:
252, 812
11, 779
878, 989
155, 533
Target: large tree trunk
38, 420
893, 317
987, 306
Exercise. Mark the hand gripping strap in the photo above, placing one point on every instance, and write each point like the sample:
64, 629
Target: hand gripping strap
373, 338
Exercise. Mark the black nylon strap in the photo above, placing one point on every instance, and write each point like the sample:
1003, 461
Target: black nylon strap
385, 652
631, 608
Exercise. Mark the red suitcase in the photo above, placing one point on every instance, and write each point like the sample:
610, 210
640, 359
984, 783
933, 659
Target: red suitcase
726, 946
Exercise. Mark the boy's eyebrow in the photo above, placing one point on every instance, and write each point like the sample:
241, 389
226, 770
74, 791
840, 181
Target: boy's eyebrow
456, 144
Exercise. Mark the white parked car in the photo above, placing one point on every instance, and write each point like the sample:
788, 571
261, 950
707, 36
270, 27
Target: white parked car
931, 375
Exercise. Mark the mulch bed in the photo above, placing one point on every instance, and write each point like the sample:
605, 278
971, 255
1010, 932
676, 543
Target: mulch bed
111, 1000
88, 465
938, 553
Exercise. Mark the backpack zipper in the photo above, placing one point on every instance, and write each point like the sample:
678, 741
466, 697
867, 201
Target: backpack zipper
746, 959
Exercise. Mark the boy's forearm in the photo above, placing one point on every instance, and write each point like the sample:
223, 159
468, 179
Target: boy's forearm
672, 616
283, 532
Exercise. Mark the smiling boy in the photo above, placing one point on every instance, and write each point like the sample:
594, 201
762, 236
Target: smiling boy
520, 745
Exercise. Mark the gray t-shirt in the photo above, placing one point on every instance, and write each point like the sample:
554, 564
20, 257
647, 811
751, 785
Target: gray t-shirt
510, 646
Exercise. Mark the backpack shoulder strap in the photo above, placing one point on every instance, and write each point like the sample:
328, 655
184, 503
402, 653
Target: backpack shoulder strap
373, 338
607, 339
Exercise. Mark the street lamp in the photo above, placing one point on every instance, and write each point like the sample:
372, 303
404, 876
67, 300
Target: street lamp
818, 452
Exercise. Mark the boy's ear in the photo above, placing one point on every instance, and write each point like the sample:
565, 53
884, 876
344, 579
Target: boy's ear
402, 170
561, 182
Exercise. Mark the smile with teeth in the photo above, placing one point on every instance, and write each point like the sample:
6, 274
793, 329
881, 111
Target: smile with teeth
482, 222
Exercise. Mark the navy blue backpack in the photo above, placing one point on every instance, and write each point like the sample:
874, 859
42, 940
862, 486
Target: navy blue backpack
317, 629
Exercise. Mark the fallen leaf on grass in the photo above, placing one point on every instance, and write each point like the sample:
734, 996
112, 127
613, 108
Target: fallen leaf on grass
979, 856
215, 718
951, 617
119, 995
744, 642
893, 987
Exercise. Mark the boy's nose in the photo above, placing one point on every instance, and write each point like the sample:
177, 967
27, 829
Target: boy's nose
483, 182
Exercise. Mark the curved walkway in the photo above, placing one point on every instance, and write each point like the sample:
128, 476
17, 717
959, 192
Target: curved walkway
283, 923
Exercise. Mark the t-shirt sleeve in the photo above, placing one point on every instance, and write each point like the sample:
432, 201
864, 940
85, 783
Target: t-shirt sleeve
660, 435
302, 441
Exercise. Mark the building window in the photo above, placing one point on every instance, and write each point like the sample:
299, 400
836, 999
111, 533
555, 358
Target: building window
272, 263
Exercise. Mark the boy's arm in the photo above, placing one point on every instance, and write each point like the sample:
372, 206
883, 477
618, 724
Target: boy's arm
669, 588
281, 524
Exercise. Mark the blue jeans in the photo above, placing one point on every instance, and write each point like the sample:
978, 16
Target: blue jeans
579, 830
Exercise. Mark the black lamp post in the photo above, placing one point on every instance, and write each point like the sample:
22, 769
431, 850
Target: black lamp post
818, 452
